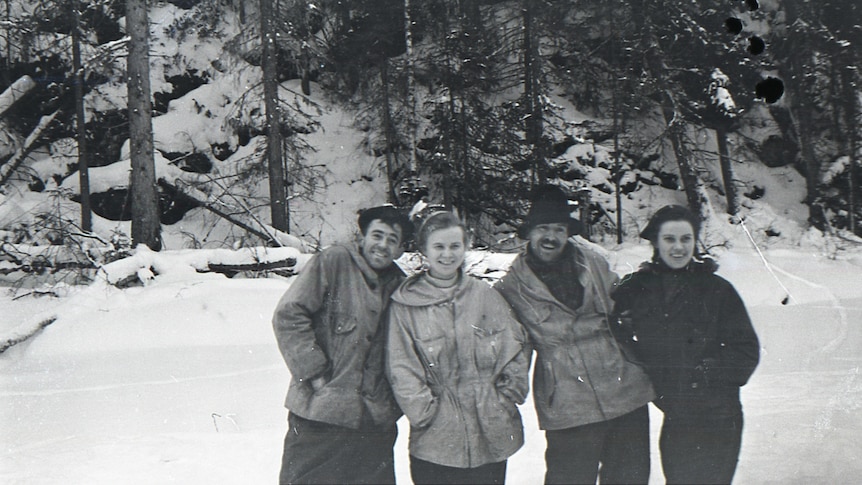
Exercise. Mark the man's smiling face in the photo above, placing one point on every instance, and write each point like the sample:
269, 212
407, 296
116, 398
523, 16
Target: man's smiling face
381, 244
547, 241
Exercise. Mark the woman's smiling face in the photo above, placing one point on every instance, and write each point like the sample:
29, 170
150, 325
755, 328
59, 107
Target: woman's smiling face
675, 243
444, 251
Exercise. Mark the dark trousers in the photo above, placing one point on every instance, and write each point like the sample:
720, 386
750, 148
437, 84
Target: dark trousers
321, 453
426, 473
616, 450
701, 448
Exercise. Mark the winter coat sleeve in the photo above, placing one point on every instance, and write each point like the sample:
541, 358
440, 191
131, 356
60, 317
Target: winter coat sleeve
621, 321
513, 380
739, 348
294, 322
409, 375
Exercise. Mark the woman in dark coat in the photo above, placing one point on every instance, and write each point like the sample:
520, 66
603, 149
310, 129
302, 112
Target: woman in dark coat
690, 330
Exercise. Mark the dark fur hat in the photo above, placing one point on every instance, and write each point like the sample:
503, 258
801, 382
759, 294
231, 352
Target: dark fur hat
548, 205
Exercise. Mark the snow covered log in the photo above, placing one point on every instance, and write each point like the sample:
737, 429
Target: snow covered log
23, 332
15, 92
144, 264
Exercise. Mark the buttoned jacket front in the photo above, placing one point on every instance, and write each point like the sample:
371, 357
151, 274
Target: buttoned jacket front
458, 364
330, 323
581, 374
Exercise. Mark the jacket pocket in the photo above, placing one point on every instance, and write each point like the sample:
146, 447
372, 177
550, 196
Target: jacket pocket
486, 347
344, 337
431, 354
343, 323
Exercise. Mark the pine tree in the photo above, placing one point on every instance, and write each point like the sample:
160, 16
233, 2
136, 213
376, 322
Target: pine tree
146, 226
274, 143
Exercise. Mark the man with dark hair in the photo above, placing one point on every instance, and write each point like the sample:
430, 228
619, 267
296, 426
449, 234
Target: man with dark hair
590, 400
330, 329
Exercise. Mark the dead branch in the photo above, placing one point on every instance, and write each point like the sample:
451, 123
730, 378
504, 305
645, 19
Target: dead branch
178, 192
20, 154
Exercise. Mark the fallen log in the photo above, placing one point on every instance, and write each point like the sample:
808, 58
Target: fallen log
15, 92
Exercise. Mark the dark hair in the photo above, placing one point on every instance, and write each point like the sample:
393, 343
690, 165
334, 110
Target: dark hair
666, 214
389, 215
437, 221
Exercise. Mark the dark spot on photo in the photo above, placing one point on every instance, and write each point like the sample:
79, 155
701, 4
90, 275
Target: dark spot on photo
756, 45
733, 25
770, 89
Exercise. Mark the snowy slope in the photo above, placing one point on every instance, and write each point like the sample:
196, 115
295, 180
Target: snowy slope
180, 381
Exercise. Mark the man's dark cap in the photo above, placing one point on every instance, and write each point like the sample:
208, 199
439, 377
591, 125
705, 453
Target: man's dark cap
549, 205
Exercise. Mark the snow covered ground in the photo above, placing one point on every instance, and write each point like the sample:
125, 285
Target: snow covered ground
180, 381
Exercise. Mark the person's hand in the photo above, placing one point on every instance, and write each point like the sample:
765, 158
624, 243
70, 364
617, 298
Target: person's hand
502, 385
317, 383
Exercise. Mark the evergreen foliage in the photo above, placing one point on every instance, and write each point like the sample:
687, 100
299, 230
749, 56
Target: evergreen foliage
485, 79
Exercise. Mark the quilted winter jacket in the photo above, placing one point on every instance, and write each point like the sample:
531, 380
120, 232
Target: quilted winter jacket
331, 323
696, 341
581, 374
458, 366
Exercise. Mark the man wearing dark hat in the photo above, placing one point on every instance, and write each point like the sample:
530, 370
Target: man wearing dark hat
590, 400
330, 329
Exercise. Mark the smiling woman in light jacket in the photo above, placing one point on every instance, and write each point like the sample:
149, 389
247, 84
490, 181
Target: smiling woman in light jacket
458, 364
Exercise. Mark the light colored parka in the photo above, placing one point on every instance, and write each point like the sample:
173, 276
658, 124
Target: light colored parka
328, 324
582, 375
458, 365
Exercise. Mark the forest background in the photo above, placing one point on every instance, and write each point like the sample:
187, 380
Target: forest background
465, 104
123, 364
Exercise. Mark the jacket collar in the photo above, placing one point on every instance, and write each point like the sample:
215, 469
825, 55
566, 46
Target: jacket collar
418, 291
704, 265
533, 287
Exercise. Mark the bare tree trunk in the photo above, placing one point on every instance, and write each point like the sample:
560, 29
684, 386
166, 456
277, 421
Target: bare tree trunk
730, 191
448, 183
274, 144
80, 122
535, 122
304, 60
7, 72
411, 86
802, 120
615, 86
146, 227
388, 132
851, 114
675, 128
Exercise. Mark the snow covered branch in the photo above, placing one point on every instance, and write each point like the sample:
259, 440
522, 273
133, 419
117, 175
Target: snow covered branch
15, 92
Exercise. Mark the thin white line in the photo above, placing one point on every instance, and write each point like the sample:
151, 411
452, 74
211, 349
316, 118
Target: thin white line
172, 380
